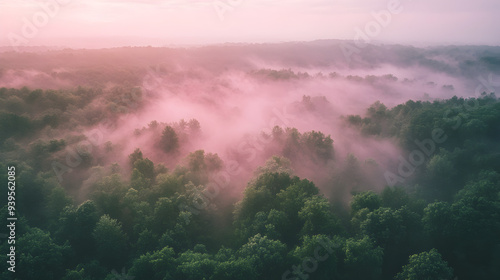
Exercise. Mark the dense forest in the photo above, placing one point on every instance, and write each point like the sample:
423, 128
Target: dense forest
107, 186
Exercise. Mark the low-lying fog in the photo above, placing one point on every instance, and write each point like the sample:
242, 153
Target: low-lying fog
239, 93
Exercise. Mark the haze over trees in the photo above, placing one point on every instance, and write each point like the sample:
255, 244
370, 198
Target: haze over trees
205, 163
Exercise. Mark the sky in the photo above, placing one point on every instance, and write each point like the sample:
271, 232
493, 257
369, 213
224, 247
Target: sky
105, 23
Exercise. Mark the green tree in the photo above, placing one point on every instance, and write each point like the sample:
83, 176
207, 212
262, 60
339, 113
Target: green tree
57, 201
397, 231
259, 195
279, 192
266, 255
475, 225
368, 199
195, 265
362, 259
169, 142
107, 195
384, 225
394, 198
157, 265
318, 218
324, 251
111, 242
40, 257
200, 165
276, 164
319, 145
146, 169
235, 268
426, 266
76, 226
13, 125
437, 223
136, 155
164, 216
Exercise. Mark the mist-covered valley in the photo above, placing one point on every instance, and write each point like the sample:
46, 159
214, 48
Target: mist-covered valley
233, 161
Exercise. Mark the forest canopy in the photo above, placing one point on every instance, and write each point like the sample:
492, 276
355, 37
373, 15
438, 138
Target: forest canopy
121, 172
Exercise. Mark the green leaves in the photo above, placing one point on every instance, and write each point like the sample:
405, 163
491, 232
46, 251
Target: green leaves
157, 265
426, 266
322, 252
169, 142
368, 199
466, 230
151, 220
111, 242
266, 255
195, 265
312, 145
318, 218
39, 257
273, 203
363, 260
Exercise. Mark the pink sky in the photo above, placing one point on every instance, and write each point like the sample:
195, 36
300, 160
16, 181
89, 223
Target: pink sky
93, 23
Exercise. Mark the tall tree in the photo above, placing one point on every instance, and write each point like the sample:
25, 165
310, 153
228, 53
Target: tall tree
169, 140
426, 266
111, 242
